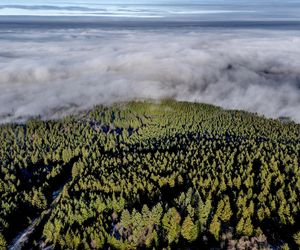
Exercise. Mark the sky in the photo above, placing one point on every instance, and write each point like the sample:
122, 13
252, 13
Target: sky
176, 9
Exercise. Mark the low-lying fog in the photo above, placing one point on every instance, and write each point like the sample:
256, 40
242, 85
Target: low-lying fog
50, 73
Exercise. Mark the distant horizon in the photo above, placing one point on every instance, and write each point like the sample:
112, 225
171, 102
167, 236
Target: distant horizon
157, 9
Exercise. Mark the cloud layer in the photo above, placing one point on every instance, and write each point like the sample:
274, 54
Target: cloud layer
207, 10
135, 9
58, 72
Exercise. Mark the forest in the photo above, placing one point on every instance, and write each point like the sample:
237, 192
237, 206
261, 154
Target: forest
151, 175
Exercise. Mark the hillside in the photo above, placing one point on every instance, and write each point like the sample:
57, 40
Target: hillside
151, 175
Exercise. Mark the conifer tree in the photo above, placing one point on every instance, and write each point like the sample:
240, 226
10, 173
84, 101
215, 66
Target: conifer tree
215, 227
189, 230
171, 224
3, 244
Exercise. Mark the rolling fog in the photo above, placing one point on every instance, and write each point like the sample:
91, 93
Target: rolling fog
51, 73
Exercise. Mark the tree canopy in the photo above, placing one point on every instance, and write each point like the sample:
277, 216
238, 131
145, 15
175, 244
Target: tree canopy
151, 175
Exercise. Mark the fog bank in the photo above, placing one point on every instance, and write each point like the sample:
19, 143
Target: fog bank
58, 72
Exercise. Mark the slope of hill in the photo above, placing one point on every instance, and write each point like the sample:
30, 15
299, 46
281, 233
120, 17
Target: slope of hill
151, 175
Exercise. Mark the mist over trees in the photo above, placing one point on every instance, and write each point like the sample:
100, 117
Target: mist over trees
145, 175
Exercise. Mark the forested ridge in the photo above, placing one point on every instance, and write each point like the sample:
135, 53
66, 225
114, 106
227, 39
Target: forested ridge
151, 175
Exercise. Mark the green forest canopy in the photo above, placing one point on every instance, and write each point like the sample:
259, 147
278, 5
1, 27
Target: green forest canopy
152, 175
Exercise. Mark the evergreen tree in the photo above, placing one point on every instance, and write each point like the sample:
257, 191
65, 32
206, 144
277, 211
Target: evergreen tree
3, 244
215, 227
297, 238
189, 230
171, 224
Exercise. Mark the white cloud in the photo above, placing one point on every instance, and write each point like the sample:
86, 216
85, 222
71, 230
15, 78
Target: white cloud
52, 73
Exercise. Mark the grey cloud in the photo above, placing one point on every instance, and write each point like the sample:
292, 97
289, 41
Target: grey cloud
47, 7
50, 78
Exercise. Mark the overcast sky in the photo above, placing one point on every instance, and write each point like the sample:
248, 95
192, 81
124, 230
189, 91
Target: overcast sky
222, 9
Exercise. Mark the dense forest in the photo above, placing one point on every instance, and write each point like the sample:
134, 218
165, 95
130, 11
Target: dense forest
151, 175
